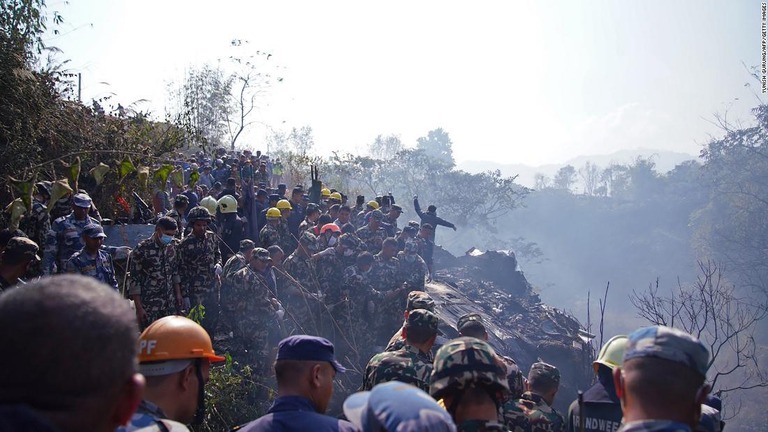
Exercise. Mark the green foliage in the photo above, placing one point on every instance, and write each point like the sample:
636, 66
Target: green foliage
197, 314
234, 396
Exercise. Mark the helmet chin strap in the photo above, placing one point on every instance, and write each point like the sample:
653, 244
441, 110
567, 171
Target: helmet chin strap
200, 412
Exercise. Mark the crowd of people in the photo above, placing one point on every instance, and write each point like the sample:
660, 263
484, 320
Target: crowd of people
293, 281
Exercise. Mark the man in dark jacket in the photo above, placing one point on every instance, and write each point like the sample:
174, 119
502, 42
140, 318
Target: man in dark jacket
305, 368
430, 217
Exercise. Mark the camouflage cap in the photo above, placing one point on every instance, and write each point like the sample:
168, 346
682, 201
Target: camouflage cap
181, 199
546, 371
669, 344
247, 244
262, 254
20, 248
198, 213
463, 362
309, 240
422, 318
82, 200
349, 241
469, 320
419, 300
377, 215
93, 231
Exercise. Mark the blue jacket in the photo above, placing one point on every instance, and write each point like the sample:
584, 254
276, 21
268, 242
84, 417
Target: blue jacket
295, 413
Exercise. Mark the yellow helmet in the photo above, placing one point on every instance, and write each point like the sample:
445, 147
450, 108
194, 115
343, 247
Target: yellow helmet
227, 204
284, 205
273, 213
373, 204
325, 192
335, 196
612, 353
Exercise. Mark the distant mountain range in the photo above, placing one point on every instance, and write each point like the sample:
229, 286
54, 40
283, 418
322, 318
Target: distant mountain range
665, 161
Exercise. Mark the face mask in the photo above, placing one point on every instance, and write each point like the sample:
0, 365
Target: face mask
332, 241
166, 239
348, 252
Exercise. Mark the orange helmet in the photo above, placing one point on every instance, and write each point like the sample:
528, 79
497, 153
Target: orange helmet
332, 227
175, 338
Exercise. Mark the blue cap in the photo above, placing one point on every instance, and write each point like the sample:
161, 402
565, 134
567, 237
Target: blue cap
668, 343
261, 192
82, 200
94, 231
274, 197
396, 406
308, 348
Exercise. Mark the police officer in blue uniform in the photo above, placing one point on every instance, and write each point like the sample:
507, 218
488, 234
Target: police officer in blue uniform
92, 260
65, 236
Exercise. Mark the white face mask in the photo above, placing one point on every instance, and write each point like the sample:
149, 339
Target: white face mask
332, 241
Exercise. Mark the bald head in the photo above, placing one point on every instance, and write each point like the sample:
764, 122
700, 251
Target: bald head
70, 343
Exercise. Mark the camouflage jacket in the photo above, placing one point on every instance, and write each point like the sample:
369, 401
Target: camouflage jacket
251, 297
180, 225
408, 365
234, 264
481, 426
531, 413
36, 224
390, 225
654, 426
358, 290
63, 240
514, 377
414, 271
268, 236
286, 241
385, 274
198, 257
330, 271
303, 270
99, 267
153, 269
372, 239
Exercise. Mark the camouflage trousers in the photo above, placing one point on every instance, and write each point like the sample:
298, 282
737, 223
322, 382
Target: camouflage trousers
251, 344
156, 305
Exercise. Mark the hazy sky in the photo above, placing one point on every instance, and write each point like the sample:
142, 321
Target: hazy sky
514, 82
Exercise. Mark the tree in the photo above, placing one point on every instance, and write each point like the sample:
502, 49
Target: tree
541, 181
590, 175
252, 77
565, 178
614, 179
385, 147
438, 146
711, 310
203, 104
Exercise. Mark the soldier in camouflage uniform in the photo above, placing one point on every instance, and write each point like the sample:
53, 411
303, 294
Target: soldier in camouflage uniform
533, 412
300, 293
254, 311
154, 274
37, 224
412, 267
390, 220
180, 204
373, 234
200, 268
233, 265
92, 260
470, 384
472, 325
415, 300
287, 241
65, 236
385, 277
270, 233
410, 364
